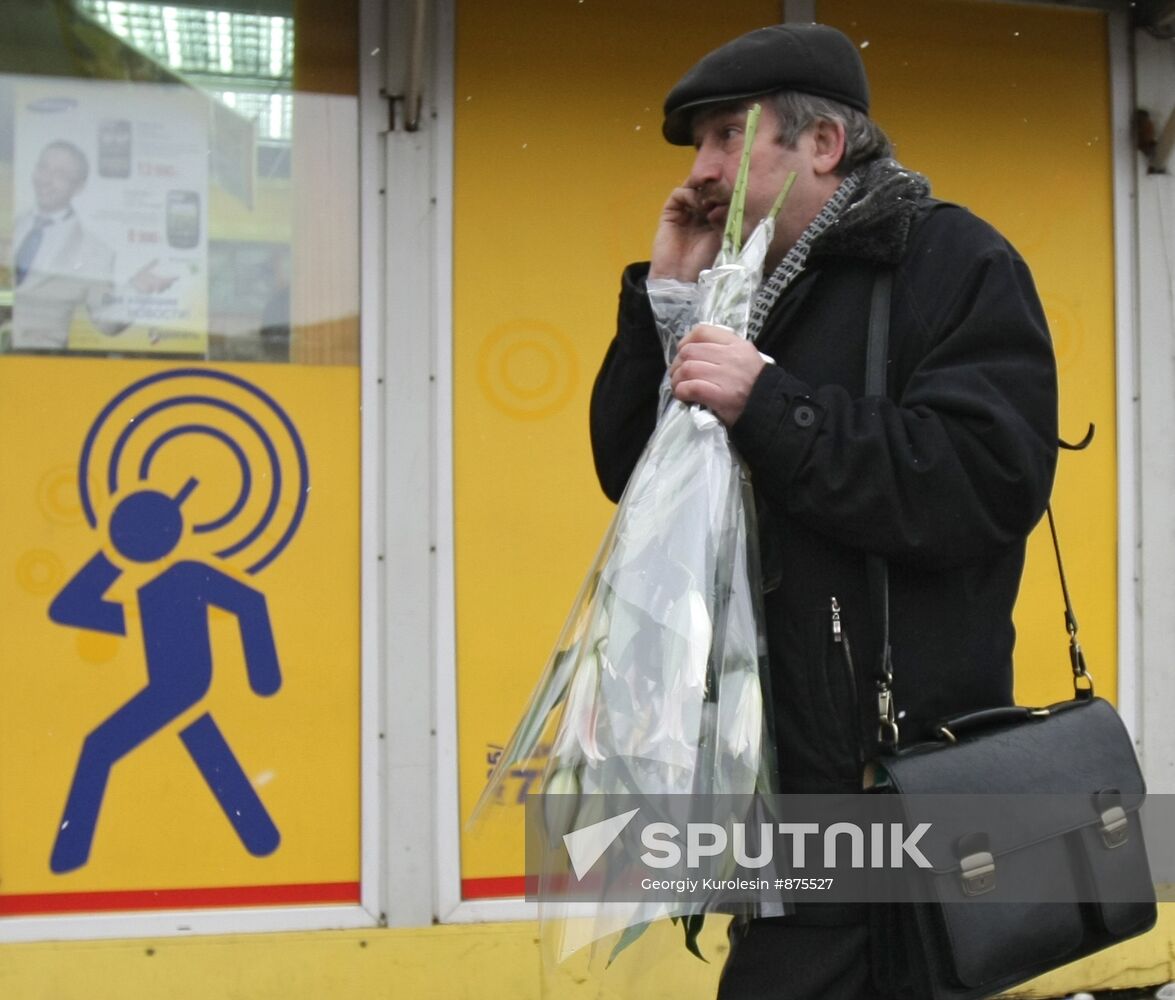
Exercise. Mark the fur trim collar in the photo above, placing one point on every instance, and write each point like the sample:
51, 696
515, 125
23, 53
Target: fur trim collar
875, 225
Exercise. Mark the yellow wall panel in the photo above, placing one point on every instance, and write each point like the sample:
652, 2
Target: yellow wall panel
1007, 110
82, 438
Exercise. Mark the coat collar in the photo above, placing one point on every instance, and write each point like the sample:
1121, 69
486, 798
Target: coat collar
875, 225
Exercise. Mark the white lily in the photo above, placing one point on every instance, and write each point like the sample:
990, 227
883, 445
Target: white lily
576, 738
690, 634
740, 723
686, 639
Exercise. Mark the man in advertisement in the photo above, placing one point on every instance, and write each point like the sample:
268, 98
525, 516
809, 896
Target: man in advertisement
59, 267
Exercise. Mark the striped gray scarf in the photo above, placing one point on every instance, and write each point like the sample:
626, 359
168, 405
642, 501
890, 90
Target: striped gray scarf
794, 260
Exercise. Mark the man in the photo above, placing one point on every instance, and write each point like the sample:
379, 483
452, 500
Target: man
58, 266
943, 476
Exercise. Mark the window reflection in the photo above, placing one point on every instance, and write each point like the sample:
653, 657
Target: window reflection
244, 59
157, 200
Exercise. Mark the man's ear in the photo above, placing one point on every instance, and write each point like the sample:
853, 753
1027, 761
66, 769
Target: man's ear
829, 145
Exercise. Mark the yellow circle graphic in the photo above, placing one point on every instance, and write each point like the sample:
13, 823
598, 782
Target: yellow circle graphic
528, 369
40, 572
57, 495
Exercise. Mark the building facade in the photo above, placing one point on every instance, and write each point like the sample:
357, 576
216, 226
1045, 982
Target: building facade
313, 296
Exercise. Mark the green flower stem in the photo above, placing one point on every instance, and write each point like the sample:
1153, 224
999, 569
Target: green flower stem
732, 237
791, 179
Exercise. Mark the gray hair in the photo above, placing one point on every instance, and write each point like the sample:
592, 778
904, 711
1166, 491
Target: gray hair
864, 139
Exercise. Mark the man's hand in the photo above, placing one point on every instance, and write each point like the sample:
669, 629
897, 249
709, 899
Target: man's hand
687, 239
717, 369
147, 281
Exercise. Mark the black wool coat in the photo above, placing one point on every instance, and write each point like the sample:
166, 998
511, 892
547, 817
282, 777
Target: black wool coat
944, 477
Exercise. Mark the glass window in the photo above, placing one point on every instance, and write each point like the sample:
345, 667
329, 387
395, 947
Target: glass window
154, 197
179, 203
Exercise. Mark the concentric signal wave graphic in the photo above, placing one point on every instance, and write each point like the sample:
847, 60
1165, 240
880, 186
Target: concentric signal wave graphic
160, 427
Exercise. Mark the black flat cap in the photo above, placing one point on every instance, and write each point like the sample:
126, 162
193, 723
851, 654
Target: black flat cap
811, 58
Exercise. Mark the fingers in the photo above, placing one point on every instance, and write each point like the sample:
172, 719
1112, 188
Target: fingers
709, 333
725, 399
687, 237
696, 357
684, 206
712, 345
706, 343
717, 369
694, 377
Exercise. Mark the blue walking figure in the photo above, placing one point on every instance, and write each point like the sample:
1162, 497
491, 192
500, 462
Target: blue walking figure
145, 527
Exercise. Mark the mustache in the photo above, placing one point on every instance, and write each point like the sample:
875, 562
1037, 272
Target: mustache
713, 194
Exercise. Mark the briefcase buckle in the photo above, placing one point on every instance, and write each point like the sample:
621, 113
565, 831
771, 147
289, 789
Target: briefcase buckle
1115, 828
978, 873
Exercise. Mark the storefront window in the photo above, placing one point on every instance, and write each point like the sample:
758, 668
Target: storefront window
180, 479
154, 191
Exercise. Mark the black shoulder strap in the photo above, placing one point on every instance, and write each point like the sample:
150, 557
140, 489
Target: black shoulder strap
1082, 681
877, 347
876, 365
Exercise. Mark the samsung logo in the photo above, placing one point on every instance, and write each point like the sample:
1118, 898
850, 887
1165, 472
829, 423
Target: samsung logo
52, 105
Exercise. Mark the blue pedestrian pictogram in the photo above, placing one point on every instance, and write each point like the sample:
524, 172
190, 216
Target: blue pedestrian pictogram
145, 528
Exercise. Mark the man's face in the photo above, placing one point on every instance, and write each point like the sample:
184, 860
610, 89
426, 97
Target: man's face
56, 178
718, 140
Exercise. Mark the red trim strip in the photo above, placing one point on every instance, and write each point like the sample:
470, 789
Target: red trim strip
179, 899
493, 888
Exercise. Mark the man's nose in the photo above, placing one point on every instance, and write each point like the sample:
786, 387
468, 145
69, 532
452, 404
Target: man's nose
707, 168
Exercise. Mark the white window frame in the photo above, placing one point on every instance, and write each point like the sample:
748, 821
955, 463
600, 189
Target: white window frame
374, 889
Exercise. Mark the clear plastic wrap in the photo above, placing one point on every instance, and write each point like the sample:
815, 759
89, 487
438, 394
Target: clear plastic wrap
661, 668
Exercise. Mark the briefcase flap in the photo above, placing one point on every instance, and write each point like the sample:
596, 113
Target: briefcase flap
1020, 784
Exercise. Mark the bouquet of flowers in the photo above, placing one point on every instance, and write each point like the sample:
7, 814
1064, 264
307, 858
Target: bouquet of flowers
660, 670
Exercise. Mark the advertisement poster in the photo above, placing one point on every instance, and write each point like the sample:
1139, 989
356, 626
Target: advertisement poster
110, 196
179, 637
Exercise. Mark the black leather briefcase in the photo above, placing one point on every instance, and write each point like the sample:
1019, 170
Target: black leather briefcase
974, 932
978, 934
